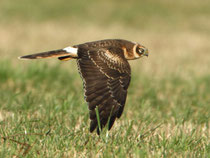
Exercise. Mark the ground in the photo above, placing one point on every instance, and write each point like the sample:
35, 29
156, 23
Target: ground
42, 109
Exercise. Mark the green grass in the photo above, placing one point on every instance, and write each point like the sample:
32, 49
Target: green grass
139, 14
165, 117
42, 109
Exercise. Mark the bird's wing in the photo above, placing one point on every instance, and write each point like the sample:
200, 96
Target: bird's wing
106, 77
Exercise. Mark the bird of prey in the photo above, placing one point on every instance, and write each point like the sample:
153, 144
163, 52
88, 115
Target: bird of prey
105, 71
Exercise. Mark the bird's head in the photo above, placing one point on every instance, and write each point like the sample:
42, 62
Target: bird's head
134, 51
140, 51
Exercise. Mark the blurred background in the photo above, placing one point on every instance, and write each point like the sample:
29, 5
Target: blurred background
172, 85
176, 32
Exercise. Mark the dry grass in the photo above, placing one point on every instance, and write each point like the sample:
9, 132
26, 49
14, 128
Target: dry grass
170, 88
176, 55
176, 52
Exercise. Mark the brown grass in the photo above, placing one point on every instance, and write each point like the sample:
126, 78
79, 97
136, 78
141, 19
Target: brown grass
179, 52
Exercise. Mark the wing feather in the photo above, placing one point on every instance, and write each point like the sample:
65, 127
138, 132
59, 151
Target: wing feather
105, 80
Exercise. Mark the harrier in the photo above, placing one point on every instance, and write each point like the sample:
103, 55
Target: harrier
105, 71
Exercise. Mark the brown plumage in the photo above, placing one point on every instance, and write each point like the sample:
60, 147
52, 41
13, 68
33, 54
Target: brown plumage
105, 72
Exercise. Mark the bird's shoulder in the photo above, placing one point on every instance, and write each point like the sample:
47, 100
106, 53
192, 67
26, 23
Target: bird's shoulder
107, 57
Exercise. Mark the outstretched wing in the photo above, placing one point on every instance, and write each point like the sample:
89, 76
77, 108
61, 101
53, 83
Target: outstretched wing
106, 77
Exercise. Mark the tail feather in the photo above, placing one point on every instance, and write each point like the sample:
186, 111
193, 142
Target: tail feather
65, 58
49, 54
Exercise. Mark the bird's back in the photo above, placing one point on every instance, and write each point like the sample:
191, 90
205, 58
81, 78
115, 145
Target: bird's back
106, 43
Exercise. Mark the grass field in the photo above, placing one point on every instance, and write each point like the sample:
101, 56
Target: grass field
42, 110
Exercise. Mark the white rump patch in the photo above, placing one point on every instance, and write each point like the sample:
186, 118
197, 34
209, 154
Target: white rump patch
71, 50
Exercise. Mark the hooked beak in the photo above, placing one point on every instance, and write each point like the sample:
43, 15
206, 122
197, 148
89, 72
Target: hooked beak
146, 53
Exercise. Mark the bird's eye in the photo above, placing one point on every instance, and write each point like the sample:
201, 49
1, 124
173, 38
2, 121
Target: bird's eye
139, 50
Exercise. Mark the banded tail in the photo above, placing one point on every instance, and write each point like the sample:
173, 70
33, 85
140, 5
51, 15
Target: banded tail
62, 54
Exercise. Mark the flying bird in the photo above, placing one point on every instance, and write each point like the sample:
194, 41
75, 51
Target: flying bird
106, 74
